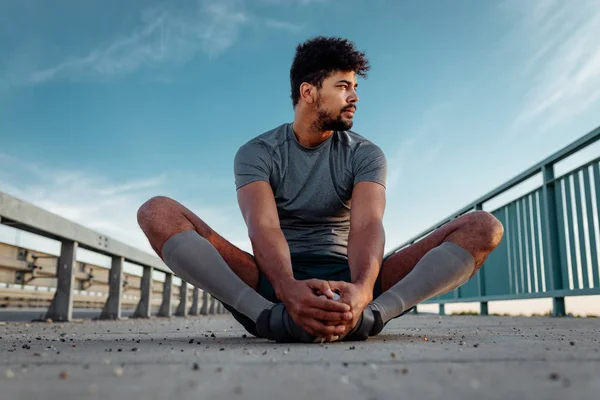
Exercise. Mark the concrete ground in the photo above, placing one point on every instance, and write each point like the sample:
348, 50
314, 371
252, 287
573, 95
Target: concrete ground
30, 314
415, 357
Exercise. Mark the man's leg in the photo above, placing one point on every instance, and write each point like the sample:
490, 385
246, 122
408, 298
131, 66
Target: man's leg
438, 263
161, 218
203, 258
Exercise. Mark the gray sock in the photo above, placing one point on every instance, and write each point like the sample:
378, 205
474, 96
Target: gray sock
441, 269
196, 261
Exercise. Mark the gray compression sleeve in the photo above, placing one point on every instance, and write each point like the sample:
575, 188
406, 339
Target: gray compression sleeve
441, 269
196, 261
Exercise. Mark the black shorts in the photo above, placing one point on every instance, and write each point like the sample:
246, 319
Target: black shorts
313, 267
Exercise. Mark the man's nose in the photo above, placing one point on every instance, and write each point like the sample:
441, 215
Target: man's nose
353, 98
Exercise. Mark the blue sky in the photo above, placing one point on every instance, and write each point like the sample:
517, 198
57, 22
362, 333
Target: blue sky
105, 104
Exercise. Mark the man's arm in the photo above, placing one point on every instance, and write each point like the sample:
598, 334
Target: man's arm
365, 247
272, 254
271, 250
366, 240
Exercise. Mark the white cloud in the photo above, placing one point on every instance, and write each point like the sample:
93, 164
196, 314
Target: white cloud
564, 62
283, 25
167, 36
101, 204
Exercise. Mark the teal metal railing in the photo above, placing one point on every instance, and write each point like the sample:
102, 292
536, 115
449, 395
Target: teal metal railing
550, 246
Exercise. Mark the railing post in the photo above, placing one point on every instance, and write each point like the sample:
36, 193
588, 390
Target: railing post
483, 308
442, 309
204, 308
112, 307
551, 242
182, 310
165, 307
144, 307
213, 304
195, 309
61, 308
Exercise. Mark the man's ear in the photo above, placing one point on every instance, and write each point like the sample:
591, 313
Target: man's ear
308, 92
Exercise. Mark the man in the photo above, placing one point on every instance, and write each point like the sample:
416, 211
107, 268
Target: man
312, 194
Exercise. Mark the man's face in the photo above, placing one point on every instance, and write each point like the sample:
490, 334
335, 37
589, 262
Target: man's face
336, 101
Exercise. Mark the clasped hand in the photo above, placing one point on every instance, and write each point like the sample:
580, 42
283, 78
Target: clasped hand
321, 316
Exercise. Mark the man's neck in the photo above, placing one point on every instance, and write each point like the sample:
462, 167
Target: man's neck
308, 135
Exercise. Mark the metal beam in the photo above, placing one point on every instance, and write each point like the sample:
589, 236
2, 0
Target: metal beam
27, 217
520, 296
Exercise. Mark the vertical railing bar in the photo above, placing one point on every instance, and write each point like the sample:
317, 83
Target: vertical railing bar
586, 228
596, 228
508, 236
514, 245
541, 240
535, 241
571, 231
527, 238
580, 236
520, 238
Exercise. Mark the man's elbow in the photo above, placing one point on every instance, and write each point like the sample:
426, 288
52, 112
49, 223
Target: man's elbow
370, 226
259, 232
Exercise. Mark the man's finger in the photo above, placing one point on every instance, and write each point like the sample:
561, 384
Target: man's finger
321, 330
327, 304
320, 286
327, 316
339, 285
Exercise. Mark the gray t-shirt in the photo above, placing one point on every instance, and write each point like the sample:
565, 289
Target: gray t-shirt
312, 186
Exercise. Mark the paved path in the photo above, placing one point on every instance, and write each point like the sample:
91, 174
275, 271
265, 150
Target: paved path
415, 357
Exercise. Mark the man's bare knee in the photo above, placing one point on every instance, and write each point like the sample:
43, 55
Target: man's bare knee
489, 229
156, 207
160, 218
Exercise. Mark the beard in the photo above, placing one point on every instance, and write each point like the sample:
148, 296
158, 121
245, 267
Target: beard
327, 122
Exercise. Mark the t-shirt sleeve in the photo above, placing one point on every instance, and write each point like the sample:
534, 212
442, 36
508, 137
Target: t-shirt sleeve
252, 163
369, 164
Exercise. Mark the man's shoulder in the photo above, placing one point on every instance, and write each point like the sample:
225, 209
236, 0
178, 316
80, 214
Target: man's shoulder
354, 140
270, 139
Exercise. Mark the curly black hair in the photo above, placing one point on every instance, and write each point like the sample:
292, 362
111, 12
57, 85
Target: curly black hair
319, 57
